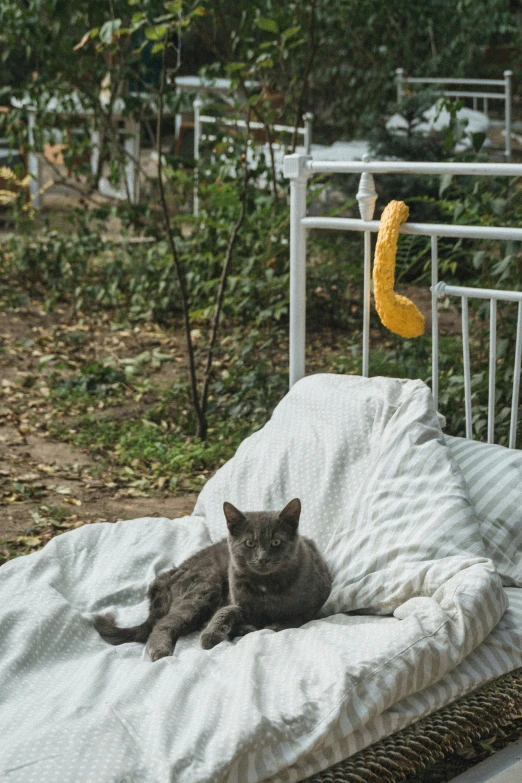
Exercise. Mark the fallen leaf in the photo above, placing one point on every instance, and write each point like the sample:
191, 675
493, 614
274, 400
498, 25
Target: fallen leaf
30, 541
86, 37
73, 501
61, 490
46, 468
63, 525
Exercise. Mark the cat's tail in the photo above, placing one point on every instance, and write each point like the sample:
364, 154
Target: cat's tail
108, 630
160, 599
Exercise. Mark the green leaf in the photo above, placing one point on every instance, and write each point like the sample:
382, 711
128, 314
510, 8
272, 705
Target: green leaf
270, 25
290, 32
158, 47
232, 67
174, 7
478, 139
134, 2
478, 258
137, 17
445, 182
498, 205
503, 266
156, 33
108, 29
265, 61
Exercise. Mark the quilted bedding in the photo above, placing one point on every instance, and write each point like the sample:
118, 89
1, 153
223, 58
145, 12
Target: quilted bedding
414, 597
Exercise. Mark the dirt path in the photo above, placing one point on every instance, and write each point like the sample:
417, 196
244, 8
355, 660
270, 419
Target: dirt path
47, 485
58, 476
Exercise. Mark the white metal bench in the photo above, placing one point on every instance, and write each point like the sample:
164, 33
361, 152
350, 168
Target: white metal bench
483, 91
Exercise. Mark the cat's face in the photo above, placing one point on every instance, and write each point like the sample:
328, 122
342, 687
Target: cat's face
263, 541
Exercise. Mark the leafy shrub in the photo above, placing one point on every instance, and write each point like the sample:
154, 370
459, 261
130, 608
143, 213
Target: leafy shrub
94, 378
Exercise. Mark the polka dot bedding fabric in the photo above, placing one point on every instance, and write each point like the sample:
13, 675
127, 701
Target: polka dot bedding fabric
407, 626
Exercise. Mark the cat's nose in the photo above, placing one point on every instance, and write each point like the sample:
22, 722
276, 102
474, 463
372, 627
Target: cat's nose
263, 559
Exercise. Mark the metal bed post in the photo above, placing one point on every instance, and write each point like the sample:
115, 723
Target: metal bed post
492, 368
507, 115
295, 168
467, 371
198, 103
366, 196
434, 321
493, 296
516, 381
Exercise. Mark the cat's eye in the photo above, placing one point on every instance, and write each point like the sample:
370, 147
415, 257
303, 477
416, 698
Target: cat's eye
276, 542
249, 543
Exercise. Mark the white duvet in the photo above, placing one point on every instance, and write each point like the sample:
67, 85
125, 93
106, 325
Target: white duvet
388, 509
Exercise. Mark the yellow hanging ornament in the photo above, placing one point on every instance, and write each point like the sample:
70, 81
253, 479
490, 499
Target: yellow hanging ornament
398, 313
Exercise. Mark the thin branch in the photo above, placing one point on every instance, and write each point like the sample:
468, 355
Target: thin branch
223, 279
200, 416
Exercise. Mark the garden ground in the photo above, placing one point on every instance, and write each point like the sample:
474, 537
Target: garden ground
82, 441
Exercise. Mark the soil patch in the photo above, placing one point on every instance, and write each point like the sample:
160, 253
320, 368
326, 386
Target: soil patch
48, 485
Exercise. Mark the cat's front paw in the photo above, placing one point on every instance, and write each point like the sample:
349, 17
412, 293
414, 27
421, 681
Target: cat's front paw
211, 637
160, 644
159, 649
161, 652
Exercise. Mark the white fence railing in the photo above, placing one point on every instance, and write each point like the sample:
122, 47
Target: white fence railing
477, 94
299, 169
200, 119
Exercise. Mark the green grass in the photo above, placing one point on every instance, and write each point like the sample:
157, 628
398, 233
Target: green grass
147, 451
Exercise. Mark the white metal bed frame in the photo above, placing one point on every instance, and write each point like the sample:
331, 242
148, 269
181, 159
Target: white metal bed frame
478, 94
299, 168
199, 119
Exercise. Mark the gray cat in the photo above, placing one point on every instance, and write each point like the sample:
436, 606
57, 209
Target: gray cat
265, 575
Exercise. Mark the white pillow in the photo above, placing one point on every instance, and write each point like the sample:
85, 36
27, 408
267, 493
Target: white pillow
493, 477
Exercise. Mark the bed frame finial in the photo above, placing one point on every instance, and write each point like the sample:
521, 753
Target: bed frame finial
366, 195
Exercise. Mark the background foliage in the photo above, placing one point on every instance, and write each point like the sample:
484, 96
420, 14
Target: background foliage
336, 59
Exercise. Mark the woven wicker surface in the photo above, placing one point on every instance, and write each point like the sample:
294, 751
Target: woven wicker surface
432, 739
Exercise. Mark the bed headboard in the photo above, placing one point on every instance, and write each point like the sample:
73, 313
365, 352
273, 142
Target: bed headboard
300, 168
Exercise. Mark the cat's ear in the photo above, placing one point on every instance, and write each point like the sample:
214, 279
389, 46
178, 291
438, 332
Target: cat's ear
291, 513
235, 519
